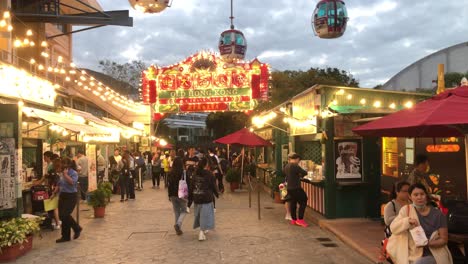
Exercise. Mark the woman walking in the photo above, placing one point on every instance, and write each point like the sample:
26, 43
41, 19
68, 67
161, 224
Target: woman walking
67, 200
156, 169
124, 168
179, 205
203, 190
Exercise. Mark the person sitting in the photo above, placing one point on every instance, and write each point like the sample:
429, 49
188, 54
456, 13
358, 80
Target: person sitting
400, 198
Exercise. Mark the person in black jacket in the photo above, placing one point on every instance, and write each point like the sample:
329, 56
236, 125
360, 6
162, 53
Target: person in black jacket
294, 173
202, 192
178, 204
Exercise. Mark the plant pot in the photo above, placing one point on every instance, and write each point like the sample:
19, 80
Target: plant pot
234, 186
14, 251
99, 212
278, 197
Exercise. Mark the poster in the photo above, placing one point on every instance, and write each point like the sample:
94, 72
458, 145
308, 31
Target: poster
92, 167
348, 159
8, 173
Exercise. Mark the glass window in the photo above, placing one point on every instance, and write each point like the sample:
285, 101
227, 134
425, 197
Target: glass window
331, 9
322, 10
390, 156
227, 38
240, 39
341, 10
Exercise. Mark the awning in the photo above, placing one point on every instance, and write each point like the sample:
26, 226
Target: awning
64, 121
125, 130
357, 109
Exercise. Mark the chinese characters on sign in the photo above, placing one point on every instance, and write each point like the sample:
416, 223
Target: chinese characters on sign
7, 173
205, 83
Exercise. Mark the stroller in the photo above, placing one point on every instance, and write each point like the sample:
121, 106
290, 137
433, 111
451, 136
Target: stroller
38, 194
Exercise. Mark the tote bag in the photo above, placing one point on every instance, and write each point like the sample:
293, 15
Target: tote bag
183, 187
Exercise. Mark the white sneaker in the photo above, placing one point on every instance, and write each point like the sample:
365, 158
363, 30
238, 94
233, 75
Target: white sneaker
188, 210
288, 217
206, 231
215, 210
201, 236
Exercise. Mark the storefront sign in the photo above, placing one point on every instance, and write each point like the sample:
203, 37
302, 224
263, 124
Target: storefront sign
22, 85
205, 83
443, 148
8, 172
348, 159
266, 134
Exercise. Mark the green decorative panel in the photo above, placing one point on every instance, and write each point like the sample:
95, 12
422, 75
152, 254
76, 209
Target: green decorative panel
311, 150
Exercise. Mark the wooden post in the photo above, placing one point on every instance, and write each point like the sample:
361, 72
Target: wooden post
440, 79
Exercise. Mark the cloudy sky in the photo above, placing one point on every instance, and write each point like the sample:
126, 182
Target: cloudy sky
383, 36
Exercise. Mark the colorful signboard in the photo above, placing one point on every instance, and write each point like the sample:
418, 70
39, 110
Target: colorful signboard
205, 83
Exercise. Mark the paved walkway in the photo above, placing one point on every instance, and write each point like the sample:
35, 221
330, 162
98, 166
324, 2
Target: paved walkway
141, 231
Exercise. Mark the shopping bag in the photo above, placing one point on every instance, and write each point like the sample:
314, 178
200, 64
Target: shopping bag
51, 204
419, 237
183, 187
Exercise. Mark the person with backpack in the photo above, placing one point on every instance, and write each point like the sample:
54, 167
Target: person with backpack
202, 192
399, 198
179, 204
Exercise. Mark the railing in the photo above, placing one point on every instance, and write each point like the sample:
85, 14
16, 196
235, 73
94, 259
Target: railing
315, 197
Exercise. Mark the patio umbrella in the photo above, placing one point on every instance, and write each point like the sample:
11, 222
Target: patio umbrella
444, 115
244, 138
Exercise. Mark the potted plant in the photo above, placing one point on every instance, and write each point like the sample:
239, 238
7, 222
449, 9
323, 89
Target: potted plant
16, 236
233, 177
99, 198
275, 182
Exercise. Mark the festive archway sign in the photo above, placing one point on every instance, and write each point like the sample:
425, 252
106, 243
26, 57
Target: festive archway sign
205, 83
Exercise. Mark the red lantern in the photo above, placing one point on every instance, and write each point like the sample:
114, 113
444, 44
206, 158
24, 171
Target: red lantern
158, 116
152, 91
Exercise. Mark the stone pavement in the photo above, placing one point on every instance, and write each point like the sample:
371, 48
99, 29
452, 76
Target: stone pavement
141, 231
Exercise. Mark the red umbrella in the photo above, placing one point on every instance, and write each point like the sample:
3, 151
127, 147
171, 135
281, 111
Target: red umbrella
443, 115
167, 146
245, 138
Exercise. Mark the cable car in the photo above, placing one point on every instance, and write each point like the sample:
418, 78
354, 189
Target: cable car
232, 45
329, 19
150, 6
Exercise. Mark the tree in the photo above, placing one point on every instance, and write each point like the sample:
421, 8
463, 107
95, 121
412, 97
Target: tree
452, 79
223, 123
286, 84
129, 72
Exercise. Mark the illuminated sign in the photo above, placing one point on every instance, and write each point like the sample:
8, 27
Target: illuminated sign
22, 85
205, 83
443, 148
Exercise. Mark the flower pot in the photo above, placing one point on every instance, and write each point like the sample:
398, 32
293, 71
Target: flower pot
234, 186
278, 197
99, 212
14, 251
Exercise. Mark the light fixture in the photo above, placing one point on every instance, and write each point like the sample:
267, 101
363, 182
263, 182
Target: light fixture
392, 105
363, 101
409, 104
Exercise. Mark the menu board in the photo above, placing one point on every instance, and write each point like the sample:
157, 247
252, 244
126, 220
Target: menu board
7, 173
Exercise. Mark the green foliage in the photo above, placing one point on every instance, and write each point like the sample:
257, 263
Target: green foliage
286, 84
100, 197
233, 175
251, 168
275, 182
16, 230
224, 123
452, 79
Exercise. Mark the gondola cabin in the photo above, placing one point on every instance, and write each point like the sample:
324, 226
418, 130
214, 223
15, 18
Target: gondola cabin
232, 45
329, 19
150, 6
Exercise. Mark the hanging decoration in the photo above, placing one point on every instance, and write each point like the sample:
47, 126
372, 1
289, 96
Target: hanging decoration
232, 43
205, 83
329, 19
150, 6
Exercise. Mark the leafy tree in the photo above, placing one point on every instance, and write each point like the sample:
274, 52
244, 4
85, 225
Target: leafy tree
378, 87
452, 79
223, 123
129, 72
286, 84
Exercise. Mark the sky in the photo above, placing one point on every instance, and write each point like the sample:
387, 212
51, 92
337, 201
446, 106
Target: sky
382, 38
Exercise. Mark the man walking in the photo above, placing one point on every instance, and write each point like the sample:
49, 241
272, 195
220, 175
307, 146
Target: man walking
294, 173
82, 162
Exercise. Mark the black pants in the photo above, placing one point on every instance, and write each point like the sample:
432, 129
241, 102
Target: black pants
67, 203
219, 177
156, 176
131, 184
83, 187
100, 176
123, 181
298, 196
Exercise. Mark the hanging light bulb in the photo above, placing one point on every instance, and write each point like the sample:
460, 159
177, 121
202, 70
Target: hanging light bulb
32, 44
44, 43
392, 105
17, 43
26, 41
29, 32
32, 61
60, 59
3, 23
6, 15
40, 67
10, 28
363, 101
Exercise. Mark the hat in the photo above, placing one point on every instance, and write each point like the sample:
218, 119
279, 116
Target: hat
293, 155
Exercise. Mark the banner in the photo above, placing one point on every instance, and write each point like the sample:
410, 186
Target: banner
92, 167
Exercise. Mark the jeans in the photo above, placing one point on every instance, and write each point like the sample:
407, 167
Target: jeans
148, 171
123, 181
67, 203
156, 176
100, 176
297, 196
180, 209
83, 187
219, 176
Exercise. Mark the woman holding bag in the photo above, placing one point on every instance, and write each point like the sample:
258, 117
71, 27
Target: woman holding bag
430, 245
179, 205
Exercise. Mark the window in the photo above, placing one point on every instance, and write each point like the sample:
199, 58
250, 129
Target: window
322, 10
226, 38
240, 39
390, 156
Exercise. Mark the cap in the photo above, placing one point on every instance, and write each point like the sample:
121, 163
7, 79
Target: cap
293, 155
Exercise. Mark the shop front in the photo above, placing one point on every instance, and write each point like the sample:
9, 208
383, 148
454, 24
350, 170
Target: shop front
344, 169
